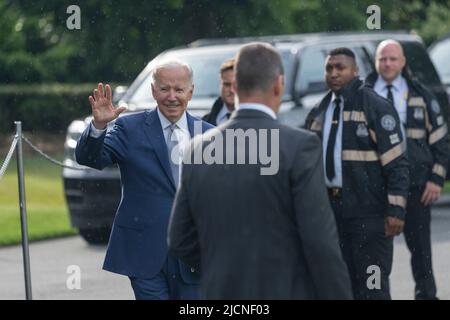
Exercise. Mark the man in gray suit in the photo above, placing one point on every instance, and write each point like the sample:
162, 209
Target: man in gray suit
258, 232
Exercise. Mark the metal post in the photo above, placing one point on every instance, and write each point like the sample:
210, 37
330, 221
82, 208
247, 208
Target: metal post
23, 212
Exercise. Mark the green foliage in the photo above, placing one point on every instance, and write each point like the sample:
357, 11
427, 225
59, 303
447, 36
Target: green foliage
117, 38
48, 108
437, 24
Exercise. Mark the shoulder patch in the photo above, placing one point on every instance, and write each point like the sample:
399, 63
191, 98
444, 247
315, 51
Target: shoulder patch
435, 106
394, 138
418, 113
362, 131
388, 122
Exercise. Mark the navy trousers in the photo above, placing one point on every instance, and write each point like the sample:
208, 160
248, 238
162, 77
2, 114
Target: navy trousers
418, 240
365, 248
166, 285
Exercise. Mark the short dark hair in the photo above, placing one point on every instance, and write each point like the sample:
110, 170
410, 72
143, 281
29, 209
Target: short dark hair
344, 51
227, 65
258, 64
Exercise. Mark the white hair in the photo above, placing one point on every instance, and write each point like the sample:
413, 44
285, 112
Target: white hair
170, 64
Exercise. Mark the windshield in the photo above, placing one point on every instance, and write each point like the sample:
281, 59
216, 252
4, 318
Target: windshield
206, 65
439, 55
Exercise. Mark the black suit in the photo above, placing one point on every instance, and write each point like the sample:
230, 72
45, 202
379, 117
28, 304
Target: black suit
211, 117
260, 236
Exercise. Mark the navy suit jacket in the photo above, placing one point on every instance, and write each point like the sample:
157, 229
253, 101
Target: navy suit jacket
138, 242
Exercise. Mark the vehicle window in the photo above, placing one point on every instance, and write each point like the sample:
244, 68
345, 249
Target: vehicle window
206, 66
206, 76
363, 62
288, 64
310, 77
420, 64
440, 54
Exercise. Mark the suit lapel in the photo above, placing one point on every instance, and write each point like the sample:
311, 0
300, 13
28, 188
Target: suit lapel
154, 132
191, 121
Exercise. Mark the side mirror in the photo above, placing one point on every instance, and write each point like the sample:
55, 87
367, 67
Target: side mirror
118, 93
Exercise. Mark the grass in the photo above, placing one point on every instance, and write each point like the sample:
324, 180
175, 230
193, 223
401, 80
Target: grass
446, 187
47, 210
45, 202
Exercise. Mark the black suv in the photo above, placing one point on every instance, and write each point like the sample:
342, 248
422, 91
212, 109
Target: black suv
93, 195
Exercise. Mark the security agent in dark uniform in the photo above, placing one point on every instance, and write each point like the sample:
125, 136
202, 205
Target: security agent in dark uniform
366, 172
428, 152
223, 107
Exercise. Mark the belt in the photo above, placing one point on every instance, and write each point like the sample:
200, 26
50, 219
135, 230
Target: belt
335, 192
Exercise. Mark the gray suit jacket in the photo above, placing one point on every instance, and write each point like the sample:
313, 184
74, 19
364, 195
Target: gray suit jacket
259, 236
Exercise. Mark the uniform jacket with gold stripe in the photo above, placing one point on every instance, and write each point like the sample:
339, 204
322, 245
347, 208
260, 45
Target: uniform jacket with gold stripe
374, 164
426, 131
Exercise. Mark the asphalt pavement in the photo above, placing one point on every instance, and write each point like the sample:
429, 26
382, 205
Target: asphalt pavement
55, 265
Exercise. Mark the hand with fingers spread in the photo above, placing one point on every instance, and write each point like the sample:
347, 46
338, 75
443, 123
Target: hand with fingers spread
431, 194
103, 110
393, 226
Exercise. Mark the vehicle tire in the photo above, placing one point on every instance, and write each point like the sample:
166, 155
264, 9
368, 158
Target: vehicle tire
95, 236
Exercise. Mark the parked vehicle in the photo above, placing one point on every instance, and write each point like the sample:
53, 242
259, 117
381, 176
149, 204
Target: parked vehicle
440, 54
93, 195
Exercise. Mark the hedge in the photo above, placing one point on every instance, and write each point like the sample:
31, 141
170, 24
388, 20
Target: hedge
43, 108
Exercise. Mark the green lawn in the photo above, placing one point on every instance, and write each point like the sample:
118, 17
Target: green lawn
46, 206
446, 187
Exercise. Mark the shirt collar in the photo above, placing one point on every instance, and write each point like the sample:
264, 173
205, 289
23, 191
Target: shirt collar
181, 123
223, 112
396, 84
258, 107
334, 96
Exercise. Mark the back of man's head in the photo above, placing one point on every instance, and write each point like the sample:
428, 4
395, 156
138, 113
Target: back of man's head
257, 67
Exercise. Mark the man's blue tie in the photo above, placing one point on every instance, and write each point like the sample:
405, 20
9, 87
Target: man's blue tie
172, 142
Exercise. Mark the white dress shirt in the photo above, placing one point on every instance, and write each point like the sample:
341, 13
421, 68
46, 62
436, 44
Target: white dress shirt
94, 132
181, 131
222, 115
399, 92
337, 180
258, 107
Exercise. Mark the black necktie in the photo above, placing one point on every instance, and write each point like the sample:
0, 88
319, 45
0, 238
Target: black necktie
332, 140
228, 115
389, 95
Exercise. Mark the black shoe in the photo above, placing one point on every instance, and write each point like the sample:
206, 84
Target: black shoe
422, 296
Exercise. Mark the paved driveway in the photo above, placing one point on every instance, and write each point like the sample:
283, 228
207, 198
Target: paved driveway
50, 260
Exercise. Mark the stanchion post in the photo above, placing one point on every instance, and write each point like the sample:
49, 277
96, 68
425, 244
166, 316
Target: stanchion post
23, 212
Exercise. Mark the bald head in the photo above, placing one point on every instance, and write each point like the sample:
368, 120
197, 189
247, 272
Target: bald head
390, 60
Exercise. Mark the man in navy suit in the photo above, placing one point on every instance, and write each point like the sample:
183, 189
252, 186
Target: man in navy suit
145, 146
